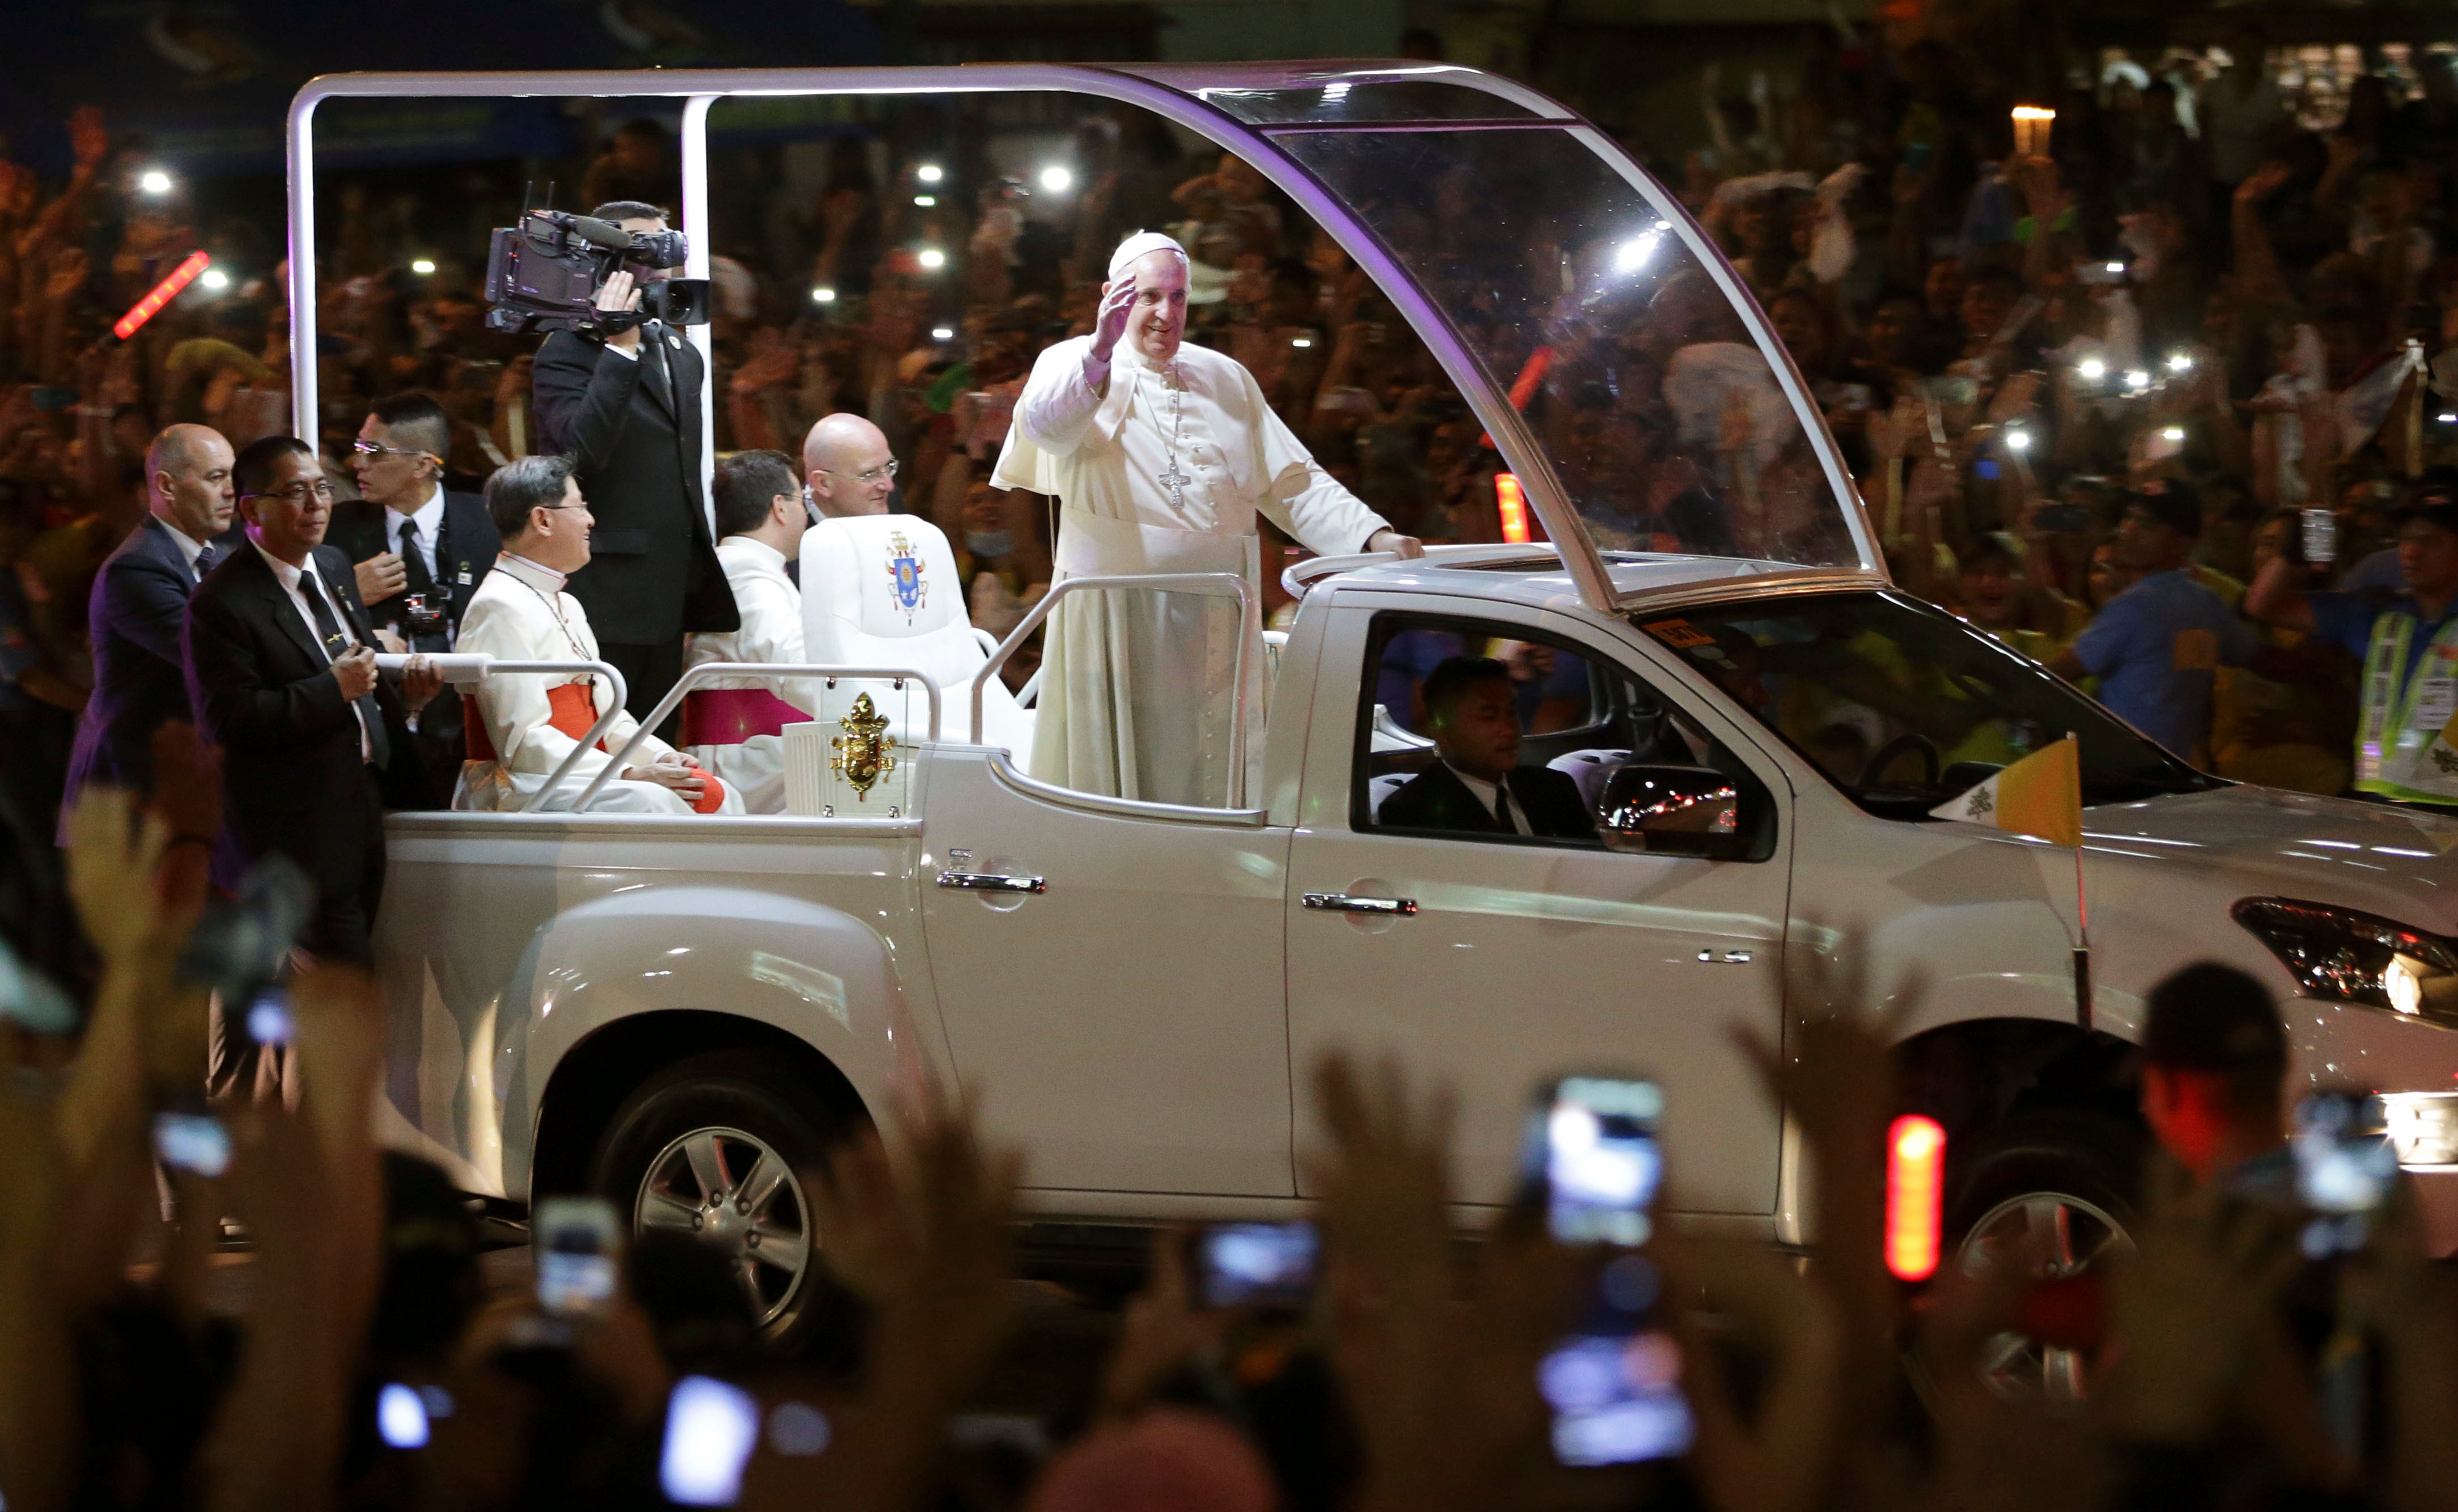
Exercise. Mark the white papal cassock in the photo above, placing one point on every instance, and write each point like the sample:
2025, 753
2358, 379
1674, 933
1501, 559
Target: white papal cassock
731, 726
522, 613
1135, 686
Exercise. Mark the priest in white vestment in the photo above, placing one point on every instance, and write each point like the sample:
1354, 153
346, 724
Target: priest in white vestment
522, 725
736, 726
1160, 455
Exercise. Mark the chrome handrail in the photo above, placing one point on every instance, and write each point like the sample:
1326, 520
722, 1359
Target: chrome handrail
462, 668
1226, 584
900, 675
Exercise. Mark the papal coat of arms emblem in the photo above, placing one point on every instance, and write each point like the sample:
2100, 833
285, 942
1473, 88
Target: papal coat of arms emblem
904, 576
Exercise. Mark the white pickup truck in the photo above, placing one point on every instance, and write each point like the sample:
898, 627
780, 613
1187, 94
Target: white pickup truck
683, 1013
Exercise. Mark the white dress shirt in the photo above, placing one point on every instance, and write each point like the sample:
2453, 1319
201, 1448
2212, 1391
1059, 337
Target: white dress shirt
190, 548
430, 520
771, 609
297, 583
1486, 793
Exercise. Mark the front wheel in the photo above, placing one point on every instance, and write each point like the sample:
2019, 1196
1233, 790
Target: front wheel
722, 1151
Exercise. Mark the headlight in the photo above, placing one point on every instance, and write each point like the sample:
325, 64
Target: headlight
2349, 957
2422, 1127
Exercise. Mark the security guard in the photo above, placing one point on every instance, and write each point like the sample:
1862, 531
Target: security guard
2407, 729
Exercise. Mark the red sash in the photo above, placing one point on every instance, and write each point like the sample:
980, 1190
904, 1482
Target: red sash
732, 715
571, 708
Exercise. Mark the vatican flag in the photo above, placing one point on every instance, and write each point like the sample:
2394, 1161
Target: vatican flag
2039, 796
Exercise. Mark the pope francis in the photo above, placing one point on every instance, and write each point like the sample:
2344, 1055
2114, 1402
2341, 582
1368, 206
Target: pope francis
1160, 457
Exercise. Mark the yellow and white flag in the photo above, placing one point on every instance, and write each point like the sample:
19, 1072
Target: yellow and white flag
2039, 796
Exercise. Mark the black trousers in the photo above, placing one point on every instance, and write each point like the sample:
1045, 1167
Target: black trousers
649, 674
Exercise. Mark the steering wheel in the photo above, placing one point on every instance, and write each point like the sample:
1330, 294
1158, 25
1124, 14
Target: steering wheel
1912, 741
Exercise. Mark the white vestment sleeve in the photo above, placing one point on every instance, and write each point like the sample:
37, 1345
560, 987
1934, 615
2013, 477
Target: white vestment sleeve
1298, 496
772, 630
1059, 401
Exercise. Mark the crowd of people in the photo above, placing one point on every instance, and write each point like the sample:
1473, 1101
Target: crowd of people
2222, 1360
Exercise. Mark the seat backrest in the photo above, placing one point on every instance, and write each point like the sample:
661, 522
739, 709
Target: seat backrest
1590, 770
1379, 789
881, 591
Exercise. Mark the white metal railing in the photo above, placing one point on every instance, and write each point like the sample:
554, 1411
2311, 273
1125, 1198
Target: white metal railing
469, 669
708, 670
1223, 584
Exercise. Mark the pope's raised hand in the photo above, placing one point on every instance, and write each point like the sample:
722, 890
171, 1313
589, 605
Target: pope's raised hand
1117, 308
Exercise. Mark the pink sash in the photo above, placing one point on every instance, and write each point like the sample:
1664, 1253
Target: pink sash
732, 715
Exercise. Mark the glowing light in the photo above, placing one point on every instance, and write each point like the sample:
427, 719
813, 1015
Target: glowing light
1513, 507
2018, 441
2406, 993
2117, 269
2091, 369
1057, 180
824, 295
932, 258
1300, 341
401, 1417
943, 333
1915, 1193
153, 181
930, 173
422, 266
2182, 363
2137, 379
2446, 420
164, 292
2172, 433
1336, 92
1633, 255
214, 278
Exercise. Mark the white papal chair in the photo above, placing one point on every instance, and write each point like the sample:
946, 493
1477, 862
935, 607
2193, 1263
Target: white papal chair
881, 591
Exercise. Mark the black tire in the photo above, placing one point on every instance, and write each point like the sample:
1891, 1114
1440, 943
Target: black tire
735, 1106
2069, 1175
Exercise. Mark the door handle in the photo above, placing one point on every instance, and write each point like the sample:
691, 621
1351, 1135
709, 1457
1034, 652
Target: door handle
992, 882
1343, 903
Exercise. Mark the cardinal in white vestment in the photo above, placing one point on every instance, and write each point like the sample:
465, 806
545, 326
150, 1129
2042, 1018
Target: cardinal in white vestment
1160, 455
735, 727
522, 725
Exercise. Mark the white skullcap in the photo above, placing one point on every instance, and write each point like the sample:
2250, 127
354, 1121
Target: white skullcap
1140, 244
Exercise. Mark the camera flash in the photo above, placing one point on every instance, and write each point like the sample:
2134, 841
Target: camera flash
1056, 179
2117, 268
927, 202
2138, 378
2182, 363
1300, 341
2092, 369
930, 173
153, 181
823, 296
214, 278
932, 258
943, 333
2172, 433
422, 266
2018, 441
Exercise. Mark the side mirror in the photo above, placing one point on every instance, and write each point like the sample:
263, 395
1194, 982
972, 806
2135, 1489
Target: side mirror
1672, 811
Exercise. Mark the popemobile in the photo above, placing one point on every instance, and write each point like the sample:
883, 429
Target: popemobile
683, 1013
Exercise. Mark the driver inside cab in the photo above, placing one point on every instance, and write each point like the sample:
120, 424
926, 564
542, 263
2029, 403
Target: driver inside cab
1478, 785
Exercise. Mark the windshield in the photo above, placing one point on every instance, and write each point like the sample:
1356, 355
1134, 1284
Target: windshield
1902, 705
1657, 408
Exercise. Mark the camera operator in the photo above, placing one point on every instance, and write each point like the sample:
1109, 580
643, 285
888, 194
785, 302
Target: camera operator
626, 408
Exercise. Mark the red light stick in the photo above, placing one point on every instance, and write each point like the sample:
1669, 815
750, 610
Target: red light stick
164, 292
1915, 1193
1513, 506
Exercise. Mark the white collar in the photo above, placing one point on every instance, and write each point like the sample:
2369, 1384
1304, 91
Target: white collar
426, 516
759, 552
189, 545
545, 579
1486, 792
289, 575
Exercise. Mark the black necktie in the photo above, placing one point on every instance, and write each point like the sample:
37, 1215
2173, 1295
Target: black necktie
336, 642
205, 563
416, 579
1502, 809
653, 353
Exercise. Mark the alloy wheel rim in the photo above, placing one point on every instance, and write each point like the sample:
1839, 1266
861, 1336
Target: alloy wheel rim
732, 1192
2073, 1235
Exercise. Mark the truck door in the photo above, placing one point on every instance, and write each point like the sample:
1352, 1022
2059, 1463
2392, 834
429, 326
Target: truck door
1124, 1019
1491, 962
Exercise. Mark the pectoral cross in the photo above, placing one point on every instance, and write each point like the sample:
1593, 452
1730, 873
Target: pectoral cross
1176, 483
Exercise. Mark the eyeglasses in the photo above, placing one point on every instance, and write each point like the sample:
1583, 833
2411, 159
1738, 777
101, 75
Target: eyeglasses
296, 492
886, 470
368, 448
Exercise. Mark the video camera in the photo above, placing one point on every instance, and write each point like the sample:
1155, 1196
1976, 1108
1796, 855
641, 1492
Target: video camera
544, 274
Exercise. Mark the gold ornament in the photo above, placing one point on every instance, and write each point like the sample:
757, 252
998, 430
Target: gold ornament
862, 756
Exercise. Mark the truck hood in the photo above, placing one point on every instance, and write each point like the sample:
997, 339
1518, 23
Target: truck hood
2389, 862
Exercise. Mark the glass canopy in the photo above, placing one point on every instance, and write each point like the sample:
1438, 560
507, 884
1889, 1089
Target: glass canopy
1616, 365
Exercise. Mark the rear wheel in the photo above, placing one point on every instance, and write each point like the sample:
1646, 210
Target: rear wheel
2059, 1185
722, 1151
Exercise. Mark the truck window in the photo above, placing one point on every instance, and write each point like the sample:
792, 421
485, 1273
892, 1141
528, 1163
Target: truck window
1902, 705
1578, 718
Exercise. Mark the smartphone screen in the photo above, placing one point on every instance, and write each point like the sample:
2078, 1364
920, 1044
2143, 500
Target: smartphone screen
1613, 1383
1255, 1264
711, 1428
574, 1242
1591, 1151
194, 1141
2344, 1166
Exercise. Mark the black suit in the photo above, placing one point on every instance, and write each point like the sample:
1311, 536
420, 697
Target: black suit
1437, 799
140, 597
466, 545
294, 780
631, 428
